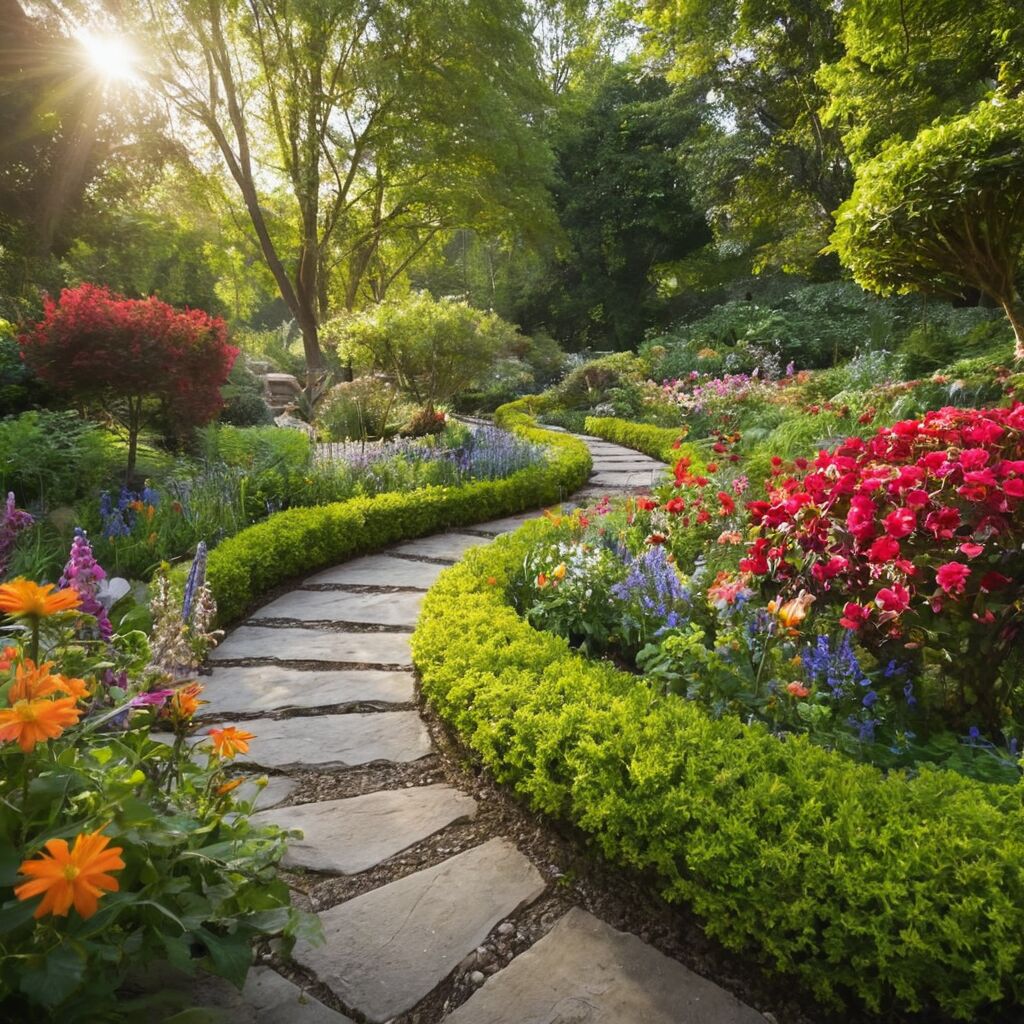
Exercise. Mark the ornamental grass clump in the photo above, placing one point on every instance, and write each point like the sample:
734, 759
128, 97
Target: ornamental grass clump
121, 850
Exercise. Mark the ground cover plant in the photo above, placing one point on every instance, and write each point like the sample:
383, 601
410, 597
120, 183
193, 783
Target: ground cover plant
121, 848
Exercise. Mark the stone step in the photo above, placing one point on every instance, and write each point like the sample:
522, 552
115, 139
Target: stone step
342, 606
233, 689
586, 972
335, 740
506, 525
276, 791
380, 571
351, 835
625, 480
449, 546
389, 947
298, 644
267, 998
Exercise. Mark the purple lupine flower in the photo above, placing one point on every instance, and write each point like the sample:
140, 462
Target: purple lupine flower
196, 578
83, 574
13, 521
154, 698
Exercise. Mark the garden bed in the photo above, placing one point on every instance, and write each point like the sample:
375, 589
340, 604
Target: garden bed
877, 890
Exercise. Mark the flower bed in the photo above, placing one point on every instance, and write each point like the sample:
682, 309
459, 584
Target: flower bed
783, 843
301, 540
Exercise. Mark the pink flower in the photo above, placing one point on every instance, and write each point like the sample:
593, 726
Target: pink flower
901, 522
952, 577
885, 549
855, 615
894, 599
971, 550
797, 689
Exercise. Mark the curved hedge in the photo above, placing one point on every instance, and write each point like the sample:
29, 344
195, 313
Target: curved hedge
658, 442
301, 540
872, 889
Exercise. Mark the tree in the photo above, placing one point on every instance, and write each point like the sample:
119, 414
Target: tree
347, 109
908, 62
943, 212
431, 348
97, 345
770, 171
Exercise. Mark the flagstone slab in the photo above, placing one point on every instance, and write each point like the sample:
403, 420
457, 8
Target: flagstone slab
267, 998
603, 466
450, 546
380, 571
342, 606
622, 480
298, 644
351, 835
346, 740
389, 947
233, 689
586, 972
276, 791
506, 525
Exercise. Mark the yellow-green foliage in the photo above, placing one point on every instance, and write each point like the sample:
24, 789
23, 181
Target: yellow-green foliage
301, 540
657, 442
872, 889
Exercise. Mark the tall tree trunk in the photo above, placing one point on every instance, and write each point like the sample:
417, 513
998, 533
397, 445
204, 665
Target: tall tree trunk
1014, 309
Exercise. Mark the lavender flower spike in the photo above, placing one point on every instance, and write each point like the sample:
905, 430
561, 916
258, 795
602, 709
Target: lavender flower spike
196, 578
12, 521
83, 574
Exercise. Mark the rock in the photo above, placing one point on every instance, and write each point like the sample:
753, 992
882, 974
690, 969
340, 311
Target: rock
233, 689
586, 972
477, 978
354, 834
449, 546
380, 571
297, 644
276, 791
336, 739
389, 947
506, 928
400, 609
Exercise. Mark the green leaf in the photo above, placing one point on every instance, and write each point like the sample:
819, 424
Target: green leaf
59, 973
231, 955
15, 913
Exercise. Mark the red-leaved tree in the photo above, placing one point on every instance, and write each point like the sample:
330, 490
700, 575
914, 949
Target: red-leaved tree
95, 344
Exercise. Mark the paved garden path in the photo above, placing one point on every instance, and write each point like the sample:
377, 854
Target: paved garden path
323, 676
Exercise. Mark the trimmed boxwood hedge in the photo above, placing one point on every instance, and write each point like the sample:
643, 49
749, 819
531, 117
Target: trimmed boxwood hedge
301, 540
887, 891
658, 442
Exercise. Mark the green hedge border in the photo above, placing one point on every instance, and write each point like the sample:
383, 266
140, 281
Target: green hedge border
658, 442
882, 891
288, 544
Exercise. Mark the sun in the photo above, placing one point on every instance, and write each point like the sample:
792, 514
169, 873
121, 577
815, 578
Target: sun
112, 57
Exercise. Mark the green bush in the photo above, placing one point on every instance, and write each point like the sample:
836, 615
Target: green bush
300, 540
360, 409
882, 890
244, 404
53, 456
256, 448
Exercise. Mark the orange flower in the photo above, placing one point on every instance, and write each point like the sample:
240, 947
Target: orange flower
77, 876
34, 721
228, 786
8, 657
793, 612
542, 580
230, 741
22, 597
797, 689
185, 702
33, 681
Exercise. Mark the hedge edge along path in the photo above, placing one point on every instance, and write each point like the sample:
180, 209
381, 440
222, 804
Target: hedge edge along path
883, 891
300, 540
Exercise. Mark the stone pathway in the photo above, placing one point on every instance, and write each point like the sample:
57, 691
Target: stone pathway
322, 676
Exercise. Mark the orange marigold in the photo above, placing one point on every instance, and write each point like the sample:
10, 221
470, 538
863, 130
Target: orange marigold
230, 741
8, 657
32, 681
30, 722
78, 875
22, 597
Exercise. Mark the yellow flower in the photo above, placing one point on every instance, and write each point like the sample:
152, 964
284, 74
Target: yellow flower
77, 876
794, 611
22, 597
30, 722
230, 741
559, 571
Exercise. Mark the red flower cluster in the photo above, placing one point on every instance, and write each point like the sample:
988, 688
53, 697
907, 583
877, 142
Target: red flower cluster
926, 515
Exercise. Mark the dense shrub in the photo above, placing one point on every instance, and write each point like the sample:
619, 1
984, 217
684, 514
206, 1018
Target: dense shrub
787, 851
51, 457
244, 404
364, 408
